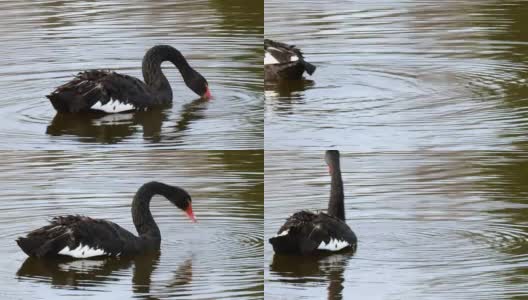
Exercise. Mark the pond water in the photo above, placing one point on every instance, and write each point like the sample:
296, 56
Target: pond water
220, 257
401, 75
430, 225
44, 44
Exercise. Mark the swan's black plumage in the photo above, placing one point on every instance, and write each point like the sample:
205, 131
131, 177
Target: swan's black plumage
108, 91
71, 231
284, 62
86, 237
306, 232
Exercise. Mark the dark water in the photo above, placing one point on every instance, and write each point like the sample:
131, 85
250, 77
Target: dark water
431, 225
45, 43
220, 257
402, 75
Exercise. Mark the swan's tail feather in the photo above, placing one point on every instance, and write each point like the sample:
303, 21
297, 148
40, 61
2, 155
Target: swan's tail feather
310, 69
29, 246
40, 246
66, 101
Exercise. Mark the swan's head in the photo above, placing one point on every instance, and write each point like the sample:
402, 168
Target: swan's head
182, 200
194, 80
197, 83
332, 160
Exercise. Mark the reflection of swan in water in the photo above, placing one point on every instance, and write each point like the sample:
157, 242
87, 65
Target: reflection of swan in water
107, 129
191, 112
287, 89
69, 273
65, 272
305, 269
182, 276
114, 128
283, 96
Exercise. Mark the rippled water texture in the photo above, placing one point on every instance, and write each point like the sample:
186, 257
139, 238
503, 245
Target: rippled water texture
45, 43
220, 257
402, 75
438, 225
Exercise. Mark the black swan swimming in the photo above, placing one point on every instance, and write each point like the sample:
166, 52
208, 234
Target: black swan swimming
284, 62
111, 92
84, 237
306, 233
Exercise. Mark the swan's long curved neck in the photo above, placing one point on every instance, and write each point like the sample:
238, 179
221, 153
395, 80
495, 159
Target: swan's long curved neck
336, 204
141, 215
153, 75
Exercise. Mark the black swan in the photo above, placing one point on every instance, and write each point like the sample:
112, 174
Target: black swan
307, 233
111, 92
83, 237
284, 62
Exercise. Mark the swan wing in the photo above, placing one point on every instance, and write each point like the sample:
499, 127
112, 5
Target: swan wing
305, 232
101, 90
76, 236
280, 53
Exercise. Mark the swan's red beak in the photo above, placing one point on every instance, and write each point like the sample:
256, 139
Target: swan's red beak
207, 94
190, 213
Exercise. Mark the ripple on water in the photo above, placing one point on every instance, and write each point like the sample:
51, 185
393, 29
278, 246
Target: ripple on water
67, 38
219, 257
402, 78
434, 225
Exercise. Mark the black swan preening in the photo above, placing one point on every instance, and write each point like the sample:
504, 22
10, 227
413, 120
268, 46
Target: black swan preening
284, 62
83, 237
111, 92
307, 233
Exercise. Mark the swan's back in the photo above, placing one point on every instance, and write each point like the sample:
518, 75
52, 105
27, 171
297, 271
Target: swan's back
307, 233
101, 90
79, 237
284, 62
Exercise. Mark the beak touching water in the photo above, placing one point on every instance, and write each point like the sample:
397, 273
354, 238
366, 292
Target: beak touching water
207, 94
190, 213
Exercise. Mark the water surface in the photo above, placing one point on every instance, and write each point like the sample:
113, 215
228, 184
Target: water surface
220, 257
44, 44
401, 75
430, 225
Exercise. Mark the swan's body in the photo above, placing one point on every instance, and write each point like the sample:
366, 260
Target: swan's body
111, 92
84, 237
284, 62
307, 233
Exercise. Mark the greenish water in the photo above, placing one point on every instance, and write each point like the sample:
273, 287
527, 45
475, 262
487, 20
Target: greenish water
401, 75
426, 100
44, 44
220, 257
431, 225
